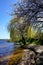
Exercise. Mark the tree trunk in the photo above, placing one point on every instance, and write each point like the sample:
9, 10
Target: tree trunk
23, 40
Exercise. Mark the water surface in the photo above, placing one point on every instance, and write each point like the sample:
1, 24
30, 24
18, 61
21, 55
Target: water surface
6, 48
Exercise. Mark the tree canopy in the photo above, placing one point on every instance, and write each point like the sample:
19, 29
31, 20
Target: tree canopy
27, 14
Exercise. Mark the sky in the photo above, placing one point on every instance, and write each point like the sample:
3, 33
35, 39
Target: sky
5, 6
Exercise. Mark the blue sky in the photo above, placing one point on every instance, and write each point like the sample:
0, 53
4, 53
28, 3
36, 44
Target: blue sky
5, 6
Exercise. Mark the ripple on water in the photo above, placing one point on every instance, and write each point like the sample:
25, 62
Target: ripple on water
6, 48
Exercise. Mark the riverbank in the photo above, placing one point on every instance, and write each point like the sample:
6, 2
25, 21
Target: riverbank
24, 56
11, 59
28, 56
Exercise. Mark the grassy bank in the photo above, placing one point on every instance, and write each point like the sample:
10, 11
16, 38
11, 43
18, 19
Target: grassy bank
16, 57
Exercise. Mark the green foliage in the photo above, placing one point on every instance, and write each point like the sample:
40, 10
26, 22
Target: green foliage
29, 34
22, 26
34, 41
14, 33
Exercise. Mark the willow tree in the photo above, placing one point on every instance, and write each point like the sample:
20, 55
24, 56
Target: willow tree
31, 12
14, 33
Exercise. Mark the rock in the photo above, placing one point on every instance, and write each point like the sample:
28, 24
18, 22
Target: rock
39, 51
29, 57
32, 55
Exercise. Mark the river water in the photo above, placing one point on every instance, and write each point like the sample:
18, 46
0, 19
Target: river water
7, 48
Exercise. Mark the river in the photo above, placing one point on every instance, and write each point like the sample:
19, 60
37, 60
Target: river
7, 48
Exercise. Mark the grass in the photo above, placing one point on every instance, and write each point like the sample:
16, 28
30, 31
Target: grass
17, 55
